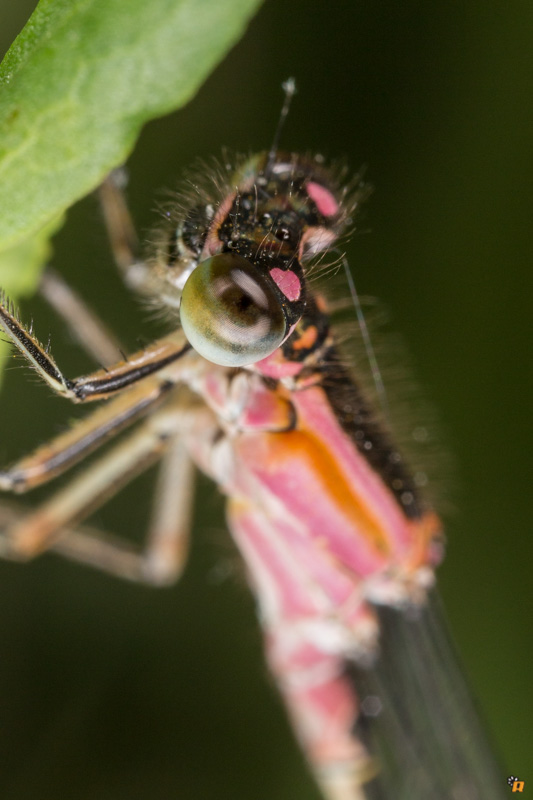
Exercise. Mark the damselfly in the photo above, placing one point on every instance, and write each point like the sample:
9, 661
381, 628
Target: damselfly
339, 543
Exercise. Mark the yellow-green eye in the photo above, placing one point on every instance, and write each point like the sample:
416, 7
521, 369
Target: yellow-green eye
230, 313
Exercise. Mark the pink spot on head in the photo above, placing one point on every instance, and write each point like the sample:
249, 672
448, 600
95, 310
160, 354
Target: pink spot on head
288, 282
323, 199
276, 366
315, 240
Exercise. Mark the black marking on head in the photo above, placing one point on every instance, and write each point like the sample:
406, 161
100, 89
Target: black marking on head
294, 348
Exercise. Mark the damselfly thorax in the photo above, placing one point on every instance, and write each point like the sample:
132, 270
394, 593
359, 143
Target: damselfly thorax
251, 388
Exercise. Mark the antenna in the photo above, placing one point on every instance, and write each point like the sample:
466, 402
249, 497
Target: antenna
289, 87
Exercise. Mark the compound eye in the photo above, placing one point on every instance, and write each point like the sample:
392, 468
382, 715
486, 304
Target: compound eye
230, 313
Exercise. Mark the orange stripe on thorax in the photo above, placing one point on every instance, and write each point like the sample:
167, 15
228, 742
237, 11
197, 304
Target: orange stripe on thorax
310, 449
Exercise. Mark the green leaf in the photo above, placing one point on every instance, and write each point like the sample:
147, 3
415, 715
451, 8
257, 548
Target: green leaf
21, 264
81, 80
76, 88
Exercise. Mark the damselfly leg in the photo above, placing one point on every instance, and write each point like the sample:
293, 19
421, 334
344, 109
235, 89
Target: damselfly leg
85, 327
26, 535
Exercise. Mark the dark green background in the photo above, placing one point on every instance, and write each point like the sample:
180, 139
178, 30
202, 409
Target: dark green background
111, 691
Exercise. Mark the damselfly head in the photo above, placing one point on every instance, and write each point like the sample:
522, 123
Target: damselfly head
239, 243
235, 258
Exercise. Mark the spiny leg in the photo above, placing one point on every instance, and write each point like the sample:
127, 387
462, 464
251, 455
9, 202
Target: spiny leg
85, 544
167, 540
64, 451
158, 358
84, 325
163, 557
168, 534
45, 527
101, 383
86, 492
160, 562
